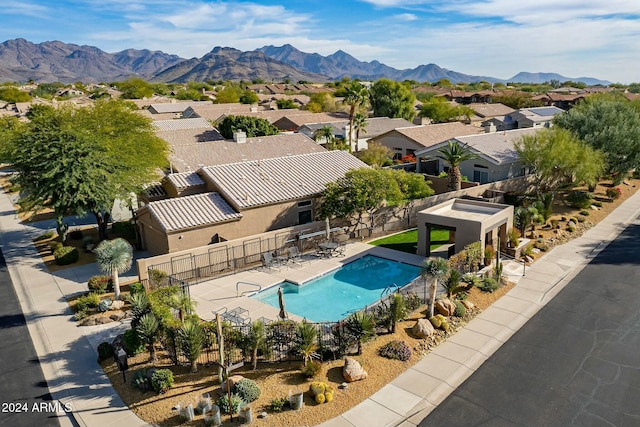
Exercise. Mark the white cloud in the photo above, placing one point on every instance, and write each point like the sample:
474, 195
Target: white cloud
406, 17
23, 8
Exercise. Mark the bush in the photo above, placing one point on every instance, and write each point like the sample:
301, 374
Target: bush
579, 199
100, 284
236, 404
141, 381
412, 302
45, 236
124, 229
65, 255
583, 213
75, 235
613, 193
278, 404
460, 308
136, 288
82, 314
105, 351
489, 284
582, 218
597, 204
247, 389
311, 368
397, 350
162, 380
158, 278
88, 301
132, 343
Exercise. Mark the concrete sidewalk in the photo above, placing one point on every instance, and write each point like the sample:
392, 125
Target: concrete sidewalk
68, 353
408, 399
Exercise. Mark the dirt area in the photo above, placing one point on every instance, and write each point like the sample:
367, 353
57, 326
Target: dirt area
278, 380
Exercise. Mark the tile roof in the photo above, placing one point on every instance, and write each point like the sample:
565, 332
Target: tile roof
255, 183
194, 148
498, 147
184, 180
155, 190
191, 211
193, 123
429, 135
302, 118
175, 107
490, 110
215, 111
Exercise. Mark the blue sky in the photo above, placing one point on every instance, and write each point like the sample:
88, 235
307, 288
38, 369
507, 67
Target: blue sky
496, 38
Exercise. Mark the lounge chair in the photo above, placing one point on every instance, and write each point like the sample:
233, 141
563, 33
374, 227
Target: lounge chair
268, 261
295, 256
341, 249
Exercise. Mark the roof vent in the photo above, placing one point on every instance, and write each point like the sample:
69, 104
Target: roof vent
240, 137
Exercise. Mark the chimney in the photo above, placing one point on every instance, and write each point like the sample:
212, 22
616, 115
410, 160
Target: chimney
240, 137
490, 128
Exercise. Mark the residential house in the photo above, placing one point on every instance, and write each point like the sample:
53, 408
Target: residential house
497, 158
484, 112
535, 117
240, 199
291, 122
407, 140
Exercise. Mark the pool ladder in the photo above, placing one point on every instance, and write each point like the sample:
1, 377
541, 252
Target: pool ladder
390, 289
238, 294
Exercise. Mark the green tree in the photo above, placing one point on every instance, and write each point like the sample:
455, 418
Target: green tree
252, 126
322, 101
608, 123
360, 124
114, 257
360, 326
249, 97
392, 99
13, 95
440, 110
191, 94
559, 160
285, 104
191, 336
230, 94
517, 100
454, 154
148, 329
375, 154
255, 340
355, 96
305, 340
324, 135
452, 285
47, 90
435, 269
134, 88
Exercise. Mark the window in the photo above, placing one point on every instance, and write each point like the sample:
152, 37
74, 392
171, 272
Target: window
304, 203
305, 217
481, 176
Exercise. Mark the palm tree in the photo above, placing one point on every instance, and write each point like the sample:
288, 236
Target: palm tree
256, 339
148, 329
452, 284
436, 269
361, 326
359, 125
324, 135
454, 154
184, 304
306, 335
192, 342
114, 257
355, 95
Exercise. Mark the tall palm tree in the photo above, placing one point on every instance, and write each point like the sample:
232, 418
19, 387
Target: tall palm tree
184, 304
436, 269
355, 95
114, 257
361, 326
148, 329
359, 125
454, 154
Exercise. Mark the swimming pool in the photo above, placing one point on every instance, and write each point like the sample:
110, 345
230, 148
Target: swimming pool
333, 296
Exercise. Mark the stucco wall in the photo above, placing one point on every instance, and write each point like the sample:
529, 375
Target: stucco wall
396, 140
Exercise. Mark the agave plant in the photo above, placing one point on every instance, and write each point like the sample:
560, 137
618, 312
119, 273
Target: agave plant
114, 257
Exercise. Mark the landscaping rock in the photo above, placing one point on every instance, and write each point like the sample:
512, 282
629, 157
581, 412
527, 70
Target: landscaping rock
352, 370
528, 259
117, 305
231, 381
116, 317
594, 207
423, 328
468, 304
89, 321
445, 307
102, 320
128, 314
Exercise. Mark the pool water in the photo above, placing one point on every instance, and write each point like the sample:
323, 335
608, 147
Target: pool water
334, 296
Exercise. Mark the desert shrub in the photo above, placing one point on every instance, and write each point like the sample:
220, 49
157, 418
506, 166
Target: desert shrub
582, 218
571, 228
278, 404
527, 250
412, 302
489, 284
100, 284
141, 380
45, 236
311, 368
88, 301
514, 237
105, 351
75, 235
81, 314
613, 193
247, 389
554, 223
579, 199
471, 278
158, 278
65, 255
460, 308
583, 213
132, 343
236, 404
104, 305
136, 288
541, 246
597, 203
162, 380
124, 229
398, 350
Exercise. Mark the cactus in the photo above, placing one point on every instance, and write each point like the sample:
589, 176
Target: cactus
445, 326
435, 321
320, 398
104, 305
317, 387
328, 396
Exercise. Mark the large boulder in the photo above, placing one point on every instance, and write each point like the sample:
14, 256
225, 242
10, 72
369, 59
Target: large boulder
117, 305
423, 328
352, 370
445, 307
467, 304
117, 316
231, 381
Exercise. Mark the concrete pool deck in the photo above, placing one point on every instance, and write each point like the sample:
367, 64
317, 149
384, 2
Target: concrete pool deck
221, 294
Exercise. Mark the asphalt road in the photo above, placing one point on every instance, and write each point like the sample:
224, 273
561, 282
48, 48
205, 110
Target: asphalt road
575, 363
24, 396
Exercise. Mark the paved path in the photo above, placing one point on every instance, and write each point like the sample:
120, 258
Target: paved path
575, 363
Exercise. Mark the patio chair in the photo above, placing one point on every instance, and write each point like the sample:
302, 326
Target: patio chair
295, 256
269, 261
341, 250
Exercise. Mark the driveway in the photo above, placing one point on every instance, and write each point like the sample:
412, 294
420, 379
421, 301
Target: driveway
575, 363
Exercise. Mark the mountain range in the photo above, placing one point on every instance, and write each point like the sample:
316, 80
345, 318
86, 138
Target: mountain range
55, 61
